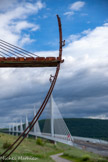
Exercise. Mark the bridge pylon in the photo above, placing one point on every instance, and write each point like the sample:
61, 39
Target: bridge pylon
21, 126
36, 123
13, 130
9, 129
27, 123
16, 128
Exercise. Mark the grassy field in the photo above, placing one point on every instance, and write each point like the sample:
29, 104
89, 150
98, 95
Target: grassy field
42, 149
77, 155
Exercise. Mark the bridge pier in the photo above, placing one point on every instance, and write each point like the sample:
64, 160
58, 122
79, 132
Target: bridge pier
35, 124
52, 118
13, 130
21, 126
26, 125
9, 129
16, 129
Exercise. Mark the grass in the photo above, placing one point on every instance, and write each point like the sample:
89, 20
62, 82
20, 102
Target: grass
39, 141
77, 155
6, 145
43, 149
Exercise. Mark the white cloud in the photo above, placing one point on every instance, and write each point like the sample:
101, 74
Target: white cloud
94, 44
73, 37
70, 13
87, 53
26, 40
86, 31
106, 24
102, 116
14, 20
19, 26
76, 6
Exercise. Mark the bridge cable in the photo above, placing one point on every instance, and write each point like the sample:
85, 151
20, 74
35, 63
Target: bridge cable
10, 50
17, 48
3, 54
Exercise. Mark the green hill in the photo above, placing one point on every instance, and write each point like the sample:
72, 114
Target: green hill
92, 128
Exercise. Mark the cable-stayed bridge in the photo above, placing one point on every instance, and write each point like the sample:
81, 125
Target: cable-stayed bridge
54, 127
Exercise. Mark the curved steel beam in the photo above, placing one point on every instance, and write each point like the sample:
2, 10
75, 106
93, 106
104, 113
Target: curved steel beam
60, 37
32, 123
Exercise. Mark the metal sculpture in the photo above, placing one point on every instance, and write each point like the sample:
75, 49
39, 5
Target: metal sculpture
32, 123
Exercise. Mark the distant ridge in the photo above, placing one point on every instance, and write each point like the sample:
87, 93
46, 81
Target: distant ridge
84, 127
92, 128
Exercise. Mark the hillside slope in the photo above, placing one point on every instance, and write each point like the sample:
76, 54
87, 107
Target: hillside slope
92, 128
41, 150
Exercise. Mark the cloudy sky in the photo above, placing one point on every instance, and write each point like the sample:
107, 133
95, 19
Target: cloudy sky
82, 85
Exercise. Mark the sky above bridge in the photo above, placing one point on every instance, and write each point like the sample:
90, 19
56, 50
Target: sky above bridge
82, 86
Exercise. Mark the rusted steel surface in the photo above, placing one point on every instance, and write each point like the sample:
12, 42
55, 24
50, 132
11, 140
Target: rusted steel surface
51, 58
40, 59
29, 62
2, 59
19, 59
13, 147
8, 59
29, 59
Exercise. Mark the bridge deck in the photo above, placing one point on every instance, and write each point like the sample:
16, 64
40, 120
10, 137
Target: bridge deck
29, 62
